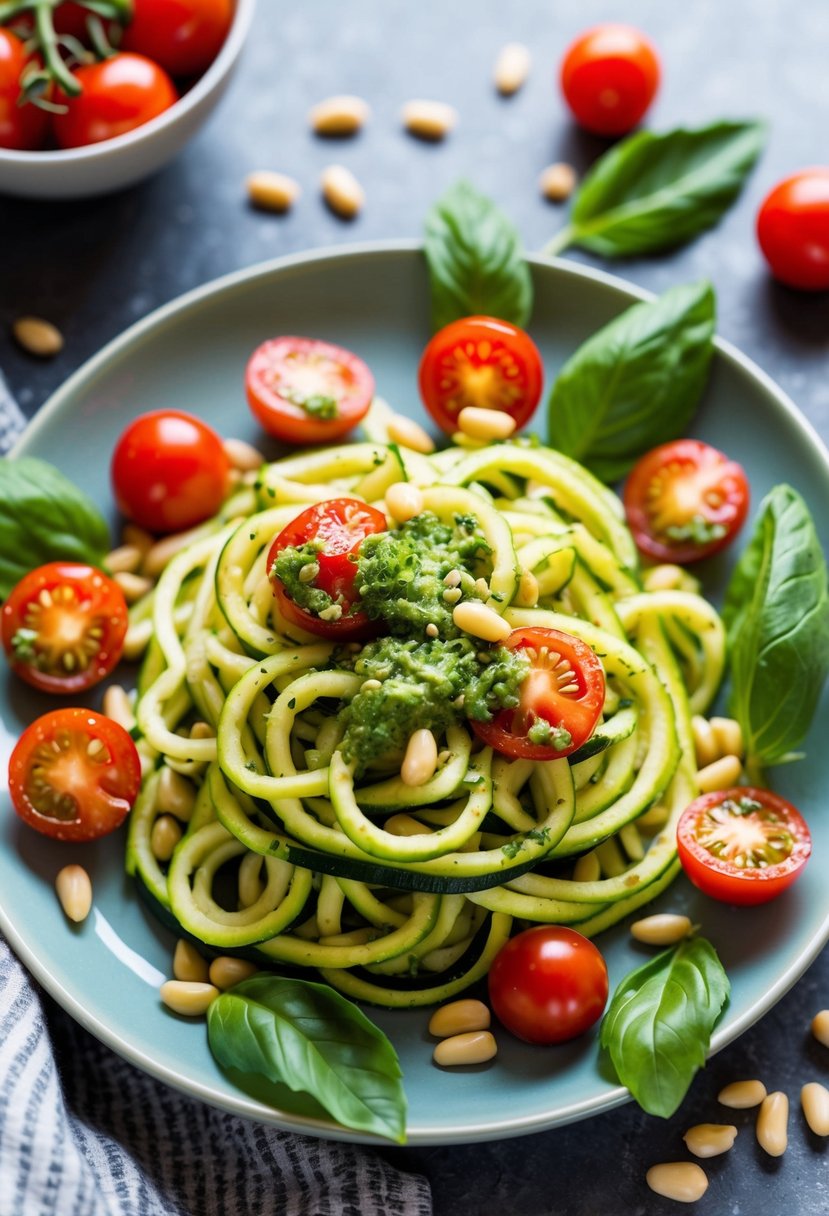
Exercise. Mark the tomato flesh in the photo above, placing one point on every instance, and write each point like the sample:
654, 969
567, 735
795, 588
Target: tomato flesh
74, 775
793, 230
22, 127
482, 362
609, 77
118, 95
184, 36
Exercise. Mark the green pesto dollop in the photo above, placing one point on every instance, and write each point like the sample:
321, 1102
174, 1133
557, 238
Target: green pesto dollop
296, 567
545, 734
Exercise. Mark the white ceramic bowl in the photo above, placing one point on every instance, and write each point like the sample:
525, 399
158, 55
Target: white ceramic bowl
115, 163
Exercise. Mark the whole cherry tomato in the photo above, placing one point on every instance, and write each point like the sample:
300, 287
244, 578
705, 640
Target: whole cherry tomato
184, 36
118, 95
609, 77
22, 127
793, 230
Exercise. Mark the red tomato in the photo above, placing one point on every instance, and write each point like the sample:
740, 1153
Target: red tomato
484, 362
609, 77
684, 501
22, 128
793, 230
184, 36
339, 525
564, 690
169, 471
548, 985
74, 775
743, 845
63, 627
71, 18
305, 391
119, 94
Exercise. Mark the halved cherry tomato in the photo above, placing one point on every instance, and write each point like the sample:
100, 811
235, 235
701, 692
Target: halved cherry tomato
548, 984
22, 127
609, 77
793, 230
564, 690
305, 391
169, 471
74, 775
743, 845
339, 526
118, 95
484, 362
684, 501
63, 626
184, 36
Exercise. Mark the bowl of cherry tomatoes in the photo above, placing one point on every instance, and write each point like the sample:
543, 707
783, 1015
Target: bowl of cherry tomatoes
97, 94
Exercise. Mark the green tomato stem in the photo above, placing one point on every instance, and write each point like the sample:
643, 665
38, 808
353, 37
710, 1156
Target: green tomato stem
48, 45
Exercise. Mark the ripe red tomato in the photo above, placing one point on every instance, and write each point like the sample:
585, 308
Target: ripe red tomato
564, 690
793, 230
338, 526
305, 391
169, 471
119, 94
63, 626
609, 77
74, 775
22, 128
184, 36
684, 501
484, 362
743, 845
548, 985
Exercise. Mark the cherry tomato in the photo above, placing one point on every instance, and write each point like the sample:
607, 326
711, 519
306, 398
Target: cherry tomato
305, 391
743, 845
63, 626
793, 230
169, 471
184, 36
74, 775
484, 362
22, 128
609, 77
564, 690
548, 985
684, 501
119, 94
339, 526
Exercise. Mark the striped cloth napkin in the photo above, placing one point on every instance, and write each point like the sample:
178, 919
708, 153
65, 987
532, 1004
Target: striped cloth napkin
83, 1133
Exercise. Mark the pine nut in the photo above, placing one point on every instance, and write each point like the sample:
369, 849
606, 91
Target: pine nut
342, 192
188, 964
243, 456
663, 578
409, 434
131, 534
403, 501
38, 337
124, 559
432, 630
270, 191
485, 424
188, 997
404, 825
741, 1095
74, 890
706, 747
772, 1124
557, 182
820, 1027
421, 758
729, 736
683, 1181
134, 586
814, 1098
117, 705
587, 868
474, 1047
164, 550
202, 730
343, 115
176, 795
164, 837
527, 594
481, 622
225, 971
512, 67
662, 929
720, 775
459, 1017
710, 1139
432, 120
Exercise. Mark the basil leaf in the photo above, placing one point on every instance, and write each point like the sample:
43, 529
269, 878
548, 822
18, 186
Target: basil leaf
476, 260
44, 518
652, 192
635, 383
311, 1039
658, 1025
777, 615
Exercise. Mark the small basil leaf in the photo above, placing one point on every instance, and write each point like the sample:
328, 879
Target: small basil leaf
311, 1039
476, 260
658, 1025
44, 518
777, 616
635, 383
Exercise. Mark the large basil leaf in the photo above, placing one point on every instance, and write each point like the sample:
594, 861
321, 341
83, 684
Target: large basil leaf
476, 261
635, 383
658, 1026
311, 1039
777, 615
44, 518
653, 192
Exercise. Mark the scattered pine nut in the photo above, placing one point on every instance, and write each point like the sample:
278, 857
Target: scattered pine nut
134, 586
481, 622
188, 997
74, 890
662, 929
164, 550
421, 759
485, 424
720, 775
342, 192
663, 578
528, 591
587, 868
474, 1047
512, 67
683, 1181
820, 1027
741, 1095
341, 115
710, 1139
772, 1124
38, 337
124, 560
729, 736
243, 456
202, 730
117, 705
164, 837
188, 964
430, 120
271, 191
459, 1017
176, 795
404, 501
131, 534
557, 182
706, 747
225, 971
409, 434
814, 1098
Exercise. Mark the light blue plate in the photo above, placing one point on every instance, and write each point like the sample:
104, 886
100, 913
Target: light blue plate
191, 355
